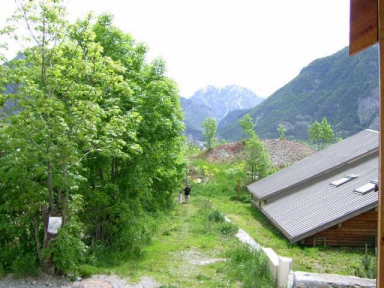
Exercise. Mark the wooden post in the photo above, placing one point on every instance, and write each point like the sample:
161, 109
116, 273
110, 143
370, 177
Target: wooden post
380, 235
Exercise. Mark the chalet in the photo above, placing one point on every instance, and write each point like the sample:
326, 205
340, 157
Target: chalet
329, 198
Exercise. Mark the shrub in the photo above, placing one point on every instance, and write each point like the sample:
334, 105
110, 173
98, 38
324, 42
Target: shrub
367, 268
216, 216
25, 265
228, 229
242, 198
86, 271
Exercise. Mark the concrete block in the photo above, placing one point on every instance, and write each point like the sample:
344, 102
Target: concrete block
314, 280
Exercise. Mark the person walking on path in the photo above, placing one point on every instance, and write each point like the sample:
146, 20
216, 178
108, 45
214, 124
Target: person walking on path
187, 193
181, 196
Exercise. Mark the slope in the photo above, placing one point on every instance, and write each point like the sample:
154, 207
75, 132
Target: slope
341, 88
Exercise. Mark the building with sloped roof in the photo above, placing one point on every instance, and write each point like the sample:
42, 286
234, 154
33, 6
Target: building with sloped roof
329, 198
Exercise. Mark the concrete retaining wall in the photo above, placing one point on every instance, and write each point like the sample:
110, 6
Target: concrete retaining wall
281, 270
279, 267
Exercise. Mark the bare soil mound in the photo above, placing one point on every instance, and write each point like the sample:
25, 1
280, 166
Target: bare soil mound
282, 152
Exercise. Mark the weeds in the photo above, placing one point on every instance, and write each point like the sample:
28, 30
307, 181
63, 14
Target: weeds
249, 267
216, 216
228, 229
368, 266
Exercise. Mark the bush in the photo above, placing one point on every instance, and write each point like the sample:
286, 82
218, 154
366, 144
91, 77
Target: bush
2, 271
228, 229
216, 216
242, 198
86, 271
68, 250
367, 268
26, 265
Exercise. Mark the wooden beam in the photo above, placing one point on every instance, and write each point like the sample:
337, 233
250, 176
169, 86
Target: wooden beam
380, 235
363, 25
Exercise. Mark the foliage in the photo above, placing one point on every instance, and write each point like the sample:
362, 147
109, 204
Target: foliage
25, 265
221, 189
281, 131
333, 87
321, 134
255, 154
210, 126
248, 126
85, 117
367, 267
191, 149
249, 267
228, 229
216, 216
67, 251
218, 179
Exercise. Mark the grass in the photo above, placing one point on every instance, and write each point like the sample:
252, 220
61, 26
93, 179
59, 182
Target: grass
336, 260
195, 247
193, 240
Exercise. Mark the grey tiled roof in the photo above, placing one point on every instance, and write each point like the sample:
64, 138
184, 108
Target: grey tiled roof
325, 161
305, 210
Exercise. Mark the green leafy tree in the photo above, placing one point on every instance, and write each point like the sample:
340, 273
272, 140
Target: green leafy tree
145, 181
321, 134
255, 154
210, 126
248, 126
281, 131
94, 137
59, 117
314, 132
257, 158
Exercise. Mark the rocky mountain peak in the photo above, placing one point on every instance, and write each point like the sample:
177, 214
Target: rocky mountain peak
222, 100
215, 102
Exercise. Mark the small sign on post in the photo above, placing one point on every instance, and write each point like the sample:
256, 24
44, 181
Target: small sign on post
54, 224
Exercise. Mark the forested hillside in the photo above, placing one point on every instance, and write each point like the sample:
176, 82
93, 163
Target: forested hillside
91, 144
342, 88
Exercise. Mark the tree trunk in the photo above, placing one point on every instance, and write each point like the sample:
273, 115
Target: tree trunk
35, 224
48, 264
50, 186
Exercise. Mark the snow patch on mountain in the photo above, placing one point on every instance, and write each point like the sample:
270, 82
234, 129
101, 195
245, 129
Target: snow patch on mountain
223, 100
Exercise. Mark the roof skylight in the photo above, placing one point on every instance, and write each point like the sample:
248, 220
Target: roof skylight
369, 187
343, 180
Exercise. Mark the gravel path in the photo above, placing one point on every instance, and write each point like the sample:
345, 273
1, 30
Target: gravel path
98, 281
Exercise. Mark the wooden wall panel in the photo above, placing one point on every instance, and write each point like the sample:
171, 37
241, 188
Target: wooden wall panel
356, 232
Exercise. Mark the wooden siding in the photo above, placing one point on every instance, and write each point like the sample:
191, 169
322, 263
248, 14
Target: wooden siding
356, 232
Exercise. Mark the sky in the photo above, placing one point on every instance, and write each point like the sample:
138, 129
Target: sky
257, 44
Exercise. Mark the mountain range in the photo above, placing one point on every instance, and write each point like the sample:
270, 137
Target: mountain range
342, 88
218, 103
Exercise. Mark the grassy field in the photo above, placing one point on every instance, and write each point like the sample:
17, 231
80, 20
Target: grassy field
341, 261
194, 247
222, 186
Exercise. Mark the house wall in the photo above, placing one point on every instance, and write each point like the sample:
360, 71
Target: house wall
356, 232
